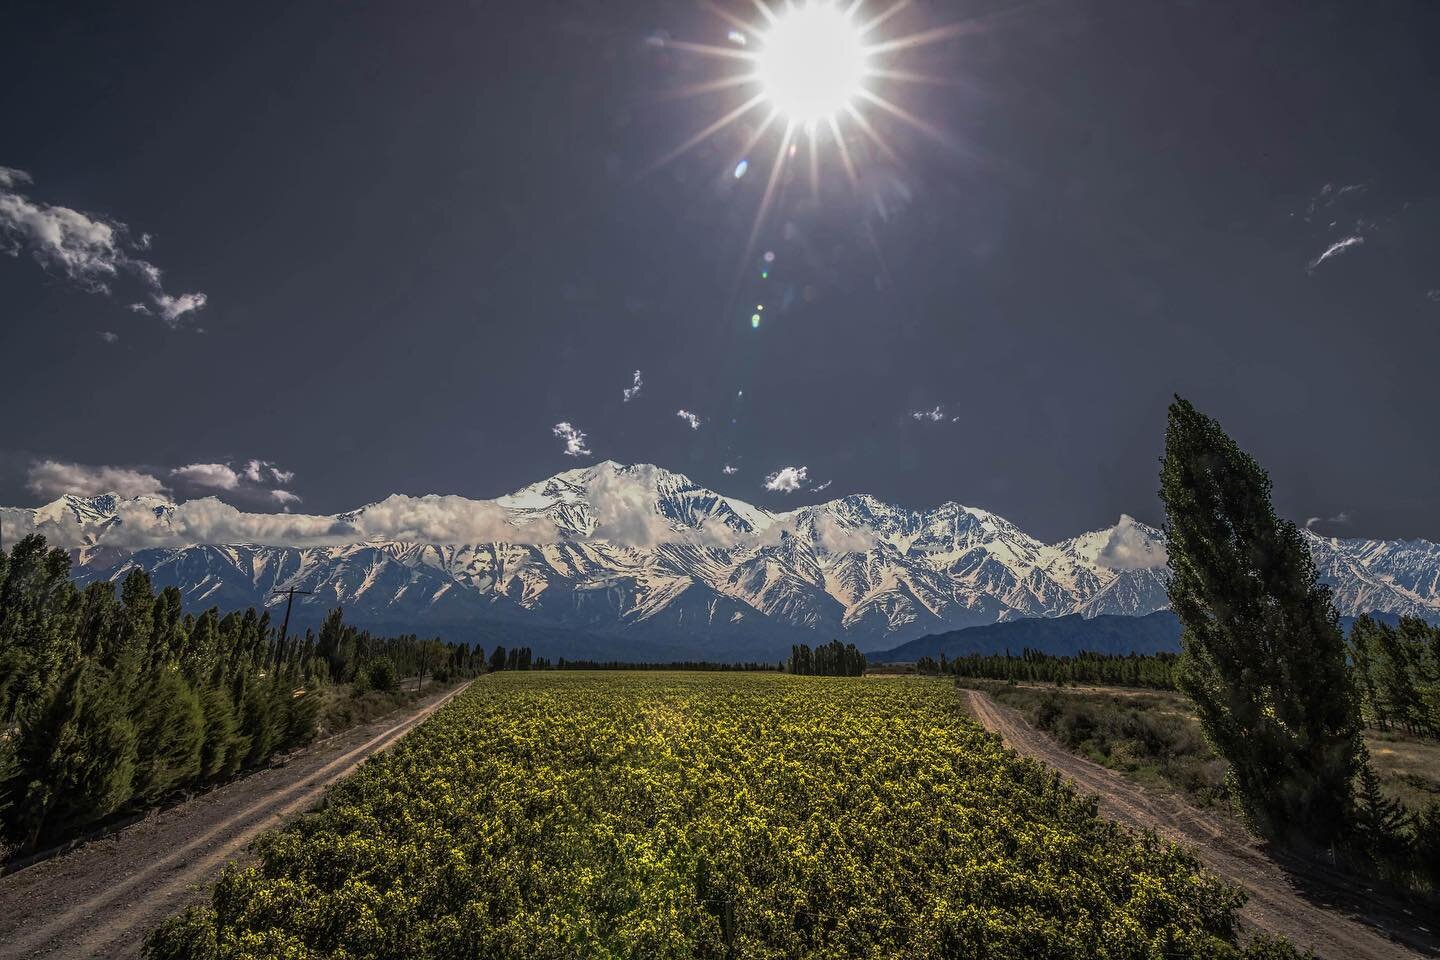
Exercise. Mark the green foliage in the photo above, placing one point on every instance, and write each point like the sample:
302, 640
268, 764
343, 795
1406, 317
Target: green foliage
1152, 671
380, 674
222, 748
834, 659
1381, 826
1427, 842
1142, 735
259, 723
1397, 673
170, 733
641, 814
111, 703
1264, 659
76, 759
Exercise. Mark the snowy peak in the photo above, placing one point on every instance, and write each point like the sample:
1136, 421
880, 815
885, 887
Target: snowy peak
640, 552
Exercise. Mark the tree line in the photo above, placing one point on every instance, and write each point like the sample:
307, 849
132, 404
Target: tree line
692, 665
832, 659
1151, 671
111, 701
1397, 674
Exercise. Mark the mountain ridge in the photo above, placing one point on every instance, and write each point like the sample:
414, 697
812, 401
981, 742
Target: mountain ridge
646, 556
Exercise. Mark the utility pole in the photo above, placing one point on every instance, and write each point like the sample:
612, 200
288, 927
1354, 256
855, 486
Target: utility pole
285, 625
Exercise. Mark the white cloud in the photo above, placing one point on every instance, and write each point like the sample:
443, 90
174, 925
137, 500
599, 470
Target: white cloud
430, 519
729, 470
217, 476
171, 309
689, 418
284, 497
109, 337
633, 391
574, 439
52, 478
1433, 294
787, 479
447, 519
934, 416
256, 471
823, 486
1341, 517
1337, 248
625, 509
90, 250
1132, 547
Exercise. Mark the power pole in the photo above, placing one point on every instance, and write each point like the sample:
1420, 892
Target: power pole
285, 625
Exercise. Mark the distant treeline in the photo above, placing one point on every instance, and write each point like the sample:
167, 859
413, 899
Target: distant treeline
833, 659
109, 703
701, 665
1397, 671
1153, 671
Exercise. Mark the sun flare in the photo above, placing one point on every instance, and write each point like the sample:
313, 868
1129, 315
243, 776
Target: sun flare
812, 63
813, 74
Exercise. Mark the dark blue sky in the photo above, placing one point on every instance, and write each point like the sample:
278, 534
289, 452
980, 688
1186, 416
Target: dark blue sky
426, 234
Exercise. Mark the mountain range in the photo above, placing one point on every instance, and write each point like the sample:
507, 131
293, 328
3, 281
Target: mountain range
638, 561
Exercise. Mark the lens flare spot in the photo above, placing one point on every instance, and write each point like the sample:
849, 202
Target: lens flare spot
755, 322
740, 168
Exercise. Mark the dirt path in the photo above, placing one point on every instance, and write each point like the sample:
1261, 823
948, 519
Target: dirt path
1320, 917
102, 899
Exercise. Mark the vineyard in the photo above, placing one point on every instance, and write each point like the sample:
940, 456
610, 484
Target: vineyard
708, 815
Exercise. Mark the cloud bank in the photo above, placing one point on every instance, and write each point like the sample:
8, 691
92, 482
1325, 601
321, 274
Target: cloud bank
1132, 547
216, 476
53, 478
429, 519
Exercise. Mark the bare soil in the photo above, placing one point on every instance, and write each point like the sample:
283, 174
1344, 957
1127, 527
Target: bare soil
102, 899
1315, 909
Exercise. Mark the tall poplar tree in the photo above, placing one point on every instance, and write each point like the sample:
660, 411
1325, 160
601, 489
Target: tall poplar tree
1264, 657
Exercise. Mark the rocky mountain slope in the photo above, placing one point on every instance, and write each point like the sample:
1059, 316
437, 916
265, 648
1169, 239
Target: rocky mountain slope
643, 556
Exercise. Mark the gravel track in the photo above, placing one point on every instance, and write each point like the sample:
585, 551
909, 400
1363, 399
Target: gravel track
102, 899
1315, 910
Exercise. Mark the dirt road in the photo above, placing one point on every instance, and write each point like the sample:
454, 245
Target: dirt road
1315, 911
102, 899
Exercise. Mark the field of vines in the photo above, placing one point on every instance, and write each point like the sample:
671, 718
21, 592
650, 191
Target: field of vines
568, 814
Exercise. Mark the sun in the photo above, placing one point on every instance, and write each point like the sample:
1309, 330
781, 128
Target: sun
812, 62
812, 73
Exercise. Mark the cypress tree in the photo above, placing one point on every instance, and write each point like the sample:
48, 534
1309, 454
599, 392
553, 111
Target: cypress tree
222, 747
1363, 652
1264, 658
76, 757
1381, 823
170, 733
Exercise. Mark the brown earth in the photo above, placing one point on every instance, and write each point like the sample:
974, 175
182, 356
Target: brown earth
102, 899
1337, 918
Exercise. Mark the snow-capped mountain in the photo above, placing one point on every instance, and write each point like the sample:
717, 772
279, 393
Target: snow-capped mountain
645, 555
